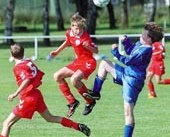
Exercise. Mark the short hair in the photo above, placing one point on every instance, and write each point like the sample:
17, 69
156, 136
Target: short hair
155, 32
79, 20
17, 51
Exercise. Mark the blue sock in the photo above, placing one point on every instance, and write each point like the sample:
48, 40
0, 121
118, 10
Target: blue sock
128, 130
98, 82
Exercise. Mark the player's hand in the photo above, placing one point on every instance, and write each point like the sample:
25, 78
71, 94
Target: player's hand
114, 46
123, 38
53, 54
85, 44
11, 97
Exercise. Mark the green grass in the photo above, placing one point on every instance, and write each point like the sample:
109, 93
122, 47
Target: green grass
106, 120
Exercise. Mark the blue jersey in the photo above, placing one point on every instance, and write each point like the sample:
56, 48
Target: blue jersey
136, 62
133, 74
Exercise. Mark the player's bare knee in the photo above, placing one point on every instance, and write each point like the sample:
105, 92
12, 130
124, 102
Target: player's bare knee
56, 77
158, 82
103, 62
73, 81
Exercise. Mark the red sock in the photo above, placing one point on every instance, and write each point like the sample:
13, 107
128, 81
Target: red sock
66, 92
165, 81
151, 88
82, 90
69, 123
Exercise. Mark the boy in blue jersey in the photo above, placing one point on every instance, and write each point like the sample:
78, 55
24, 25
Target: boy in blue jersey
132, 74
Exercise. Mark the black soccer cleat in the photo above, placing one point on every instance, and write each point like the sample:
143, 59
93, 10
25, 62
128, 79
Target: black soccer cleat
84, 129
92, 95
72, 107
89, 107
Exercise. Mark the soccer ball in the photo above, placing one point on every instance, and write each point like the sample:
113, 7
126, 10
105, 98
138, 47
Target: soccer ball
101, 3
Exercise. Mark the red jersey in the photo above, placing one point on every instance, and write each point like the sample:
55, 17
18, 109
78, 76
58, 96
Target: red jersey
77, 43
157, 64
26, 69
158, 52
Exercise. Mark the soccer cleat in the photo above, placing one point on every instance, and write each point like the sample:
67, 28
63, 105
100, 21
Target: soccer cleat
84, 129
152, 95
89, 107
92, 95
72, 107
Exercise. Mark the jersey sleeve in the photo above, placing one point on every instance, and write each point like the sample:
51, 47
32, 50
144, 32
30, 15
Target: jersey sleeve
128, 46
158, 51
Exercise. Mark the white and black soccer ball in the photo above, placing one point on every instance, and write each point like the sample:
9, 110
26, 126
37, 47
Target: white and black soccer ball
101, 3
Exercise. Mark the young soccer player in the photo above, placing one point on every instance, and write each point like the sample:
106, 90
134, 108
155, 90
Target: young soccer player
156, 69
80, 68
28, 78
132, 75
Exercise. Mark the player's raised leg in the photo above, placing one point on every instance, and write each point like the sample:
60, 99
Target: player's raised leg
105, 67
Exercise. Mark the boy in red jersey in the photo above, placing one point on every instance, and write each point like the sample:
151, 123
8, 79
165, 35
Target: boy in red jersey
80, 68
28, 78
156, 69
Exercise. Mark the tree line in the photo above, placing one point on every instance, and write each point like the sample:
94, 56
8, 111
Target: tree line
86, 8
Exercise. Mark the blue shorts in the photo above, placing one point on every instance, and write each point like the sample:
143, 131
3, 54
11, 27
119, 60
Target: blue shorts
131, 89
131, 86
119, 73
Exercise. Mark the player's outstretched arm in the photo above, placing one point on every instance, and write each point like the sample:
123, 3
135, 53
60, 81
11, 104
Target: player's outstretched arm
20, 88
59, 49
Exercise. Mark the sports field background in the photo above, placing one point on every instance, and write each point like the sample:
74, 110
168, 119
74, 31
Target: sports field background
106, 120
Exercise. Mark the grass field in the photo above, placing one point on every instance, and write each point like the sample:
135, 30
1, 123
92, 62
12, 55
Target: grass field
106, 120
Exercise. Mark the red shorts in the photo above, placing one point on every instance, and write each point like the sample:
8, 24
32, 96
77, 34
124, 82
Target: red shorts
157, 68
29, 104
86, 66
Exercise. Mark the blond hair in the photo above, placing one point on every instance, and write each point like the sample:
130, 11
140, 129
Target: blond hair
79, 20
17, 51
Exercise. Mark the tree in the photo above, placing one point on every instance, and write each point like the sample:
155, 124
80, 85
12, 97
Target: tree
46, 31
81, 6
153, 12
125, 22
112, 21
88, 10
59, 17
91, 17
9, 15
